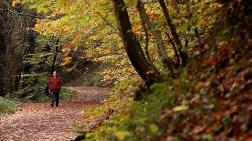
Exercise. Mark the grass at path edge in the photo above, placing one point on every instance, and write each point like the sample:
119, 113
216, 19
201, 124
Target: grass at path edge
8, 106
65, 94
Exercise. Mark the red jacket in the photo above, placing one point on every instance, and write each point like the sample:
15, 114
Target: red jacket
54, 84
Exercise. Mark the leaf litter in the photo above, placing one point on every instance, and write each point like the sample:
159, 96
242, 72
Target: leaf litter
39, 121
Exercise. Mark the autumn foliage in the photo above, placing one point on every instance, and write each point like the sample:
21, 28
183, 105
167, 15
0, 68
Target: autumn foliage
181, 70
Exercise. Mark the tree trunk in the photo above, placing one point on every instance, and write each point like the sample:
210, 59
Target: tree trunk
2, 49
13, 45
174, 33
174, 48
197, 34
146, 29
158, 37
188, 16
53, 64
132, 46
55, 57
17, 80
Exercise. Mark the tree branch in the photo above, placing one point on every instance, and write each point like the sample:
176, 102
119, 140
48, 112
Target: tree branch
108, 23
23, 14
143, 19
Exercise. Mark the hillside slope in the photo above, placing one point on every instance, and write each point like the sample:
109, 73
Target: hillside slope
210, 100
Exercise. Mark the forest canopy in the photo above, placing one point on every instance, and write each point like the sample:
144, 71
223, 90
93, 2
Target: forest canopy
173, 26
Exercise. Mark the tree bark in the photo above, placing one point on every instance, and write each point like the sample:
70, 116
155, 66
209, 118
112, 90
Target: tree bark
2, 49
146, 30
197, 34
175, 3
132, 45
174, 33
174, 48
55, 57
158, 37
14, 44
53, 64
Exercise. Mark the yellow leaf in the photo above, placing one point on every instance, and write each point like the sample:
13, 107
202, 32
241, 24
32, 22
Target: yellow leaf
153, 128
67, 60
121, 135
14, 2
180, 108
60, 4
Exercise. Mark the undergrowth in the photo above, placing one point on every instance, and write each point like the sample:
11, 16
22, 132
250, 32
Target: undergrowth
141, 120
130, 120
8, 106
42, 97
114, 108
209, 100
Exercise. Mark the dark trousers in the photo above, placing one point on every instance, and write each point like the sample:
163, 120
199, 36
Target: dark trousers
54, 98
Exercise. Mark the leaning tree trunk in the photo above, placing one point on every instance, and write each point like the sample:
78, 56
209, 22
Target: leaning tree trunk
174, 33
132, 45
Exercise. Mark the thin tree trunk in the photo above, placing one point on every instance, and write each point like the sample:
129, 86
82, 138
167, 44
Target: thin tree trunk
174, 48
197, 34
158, 37
146, 29
1, 79
189, 16
174, 33
132, 45
17, 80
175, 3
53, 64
2, 49
55, 56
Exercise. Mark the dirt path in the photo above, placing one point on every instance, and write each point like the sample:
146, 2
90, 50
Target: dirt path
38, 121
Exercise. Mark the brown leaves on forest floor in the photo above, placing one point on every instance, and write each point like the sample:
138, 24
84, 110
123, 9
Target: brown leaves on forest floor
218, 89
39, 121
88, 94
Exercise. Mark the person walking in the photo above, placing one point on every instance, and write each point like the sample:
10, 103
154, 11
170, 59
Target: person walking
54, 86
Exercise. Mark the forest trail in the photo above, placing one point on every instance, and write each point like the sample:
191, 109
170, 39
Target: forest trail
39, 121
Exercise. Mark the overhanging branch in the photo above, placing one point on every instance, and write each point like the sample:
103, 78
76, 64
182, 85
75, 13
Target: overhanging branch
23, 14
